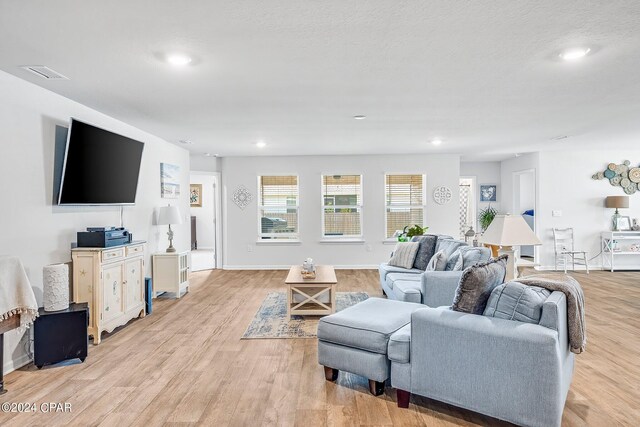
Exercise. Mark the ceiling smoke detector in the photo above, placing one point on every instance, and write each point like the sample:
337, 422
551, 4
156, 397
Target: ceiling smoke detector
185, 142
44, 72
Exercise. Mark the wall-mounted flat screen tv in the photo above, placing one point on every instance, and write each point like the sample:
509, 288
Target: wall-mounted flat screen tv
100, 167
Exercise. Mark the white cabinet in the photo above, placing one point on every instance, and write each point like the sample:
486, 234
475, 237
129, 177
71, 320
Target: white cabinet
619, 245
111, 281
171, 272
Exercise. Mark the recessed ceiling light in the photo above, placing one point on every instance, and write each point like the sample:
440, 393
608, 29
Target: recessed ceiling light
575, 53
178, 59
436, 141
360, 117
185, 142
207, 154
261, 144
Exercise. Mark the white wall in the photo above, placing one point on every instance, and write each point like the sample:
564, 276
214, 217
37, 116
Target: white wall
205, 214
565, 184
241, 226
202, 163
40, 233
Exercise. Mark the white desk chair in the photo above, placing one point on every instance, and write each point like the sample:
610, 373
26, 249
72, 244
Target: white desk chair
564, 249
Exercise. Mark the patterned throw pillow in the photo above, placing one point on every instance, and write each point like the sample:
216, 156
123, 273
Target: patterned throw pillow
477, 283
438, 262
404, 254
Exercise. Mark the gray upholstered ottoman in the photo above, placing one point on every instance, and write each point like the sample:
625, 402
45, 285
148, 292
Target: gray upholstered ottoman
356, 339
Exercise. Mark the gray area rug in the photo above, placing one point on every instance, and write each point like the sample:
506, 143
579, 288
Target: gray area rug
271, 319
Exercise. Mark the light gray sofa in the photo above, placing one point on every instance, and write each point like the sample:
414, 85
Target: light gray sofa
432, 288
514, 371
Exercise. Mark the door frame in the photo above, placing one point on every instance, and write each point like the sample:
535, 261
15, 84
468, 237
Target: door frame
217, 213
515, 179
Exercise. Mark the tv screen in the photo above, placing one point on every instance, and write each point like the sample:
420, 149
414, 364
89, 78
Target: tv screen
100, 167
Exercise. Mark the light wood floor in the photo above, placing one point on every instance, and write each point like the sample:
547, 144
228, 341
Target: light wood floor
186, 364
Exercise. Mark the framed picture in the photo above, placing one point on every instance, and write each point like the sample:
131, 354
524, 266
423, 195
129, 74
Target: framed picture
195, 195
488, 193
623, 223
169, 181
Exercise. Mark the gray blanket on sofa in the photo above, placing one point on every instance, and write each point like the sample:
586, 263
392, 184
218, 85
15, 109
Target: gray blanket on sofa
575, 304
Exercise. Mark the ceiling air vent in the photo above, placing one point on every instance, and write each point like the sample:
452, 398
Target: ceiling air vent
44, 72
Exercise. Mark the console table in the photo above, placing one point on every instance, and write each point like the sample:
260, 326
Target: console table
620, 244
111, 281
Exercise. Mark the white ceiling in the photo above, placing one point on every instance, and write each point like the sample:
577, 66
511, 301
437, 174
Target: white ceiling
482, 75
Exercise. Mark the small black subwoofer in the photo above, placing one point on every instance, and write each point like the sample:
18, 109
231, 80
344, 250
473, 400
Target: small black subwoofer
61, 335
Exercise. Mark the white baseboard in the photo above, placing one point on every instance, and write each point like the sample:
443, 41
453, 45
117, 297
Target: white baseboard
13, 364
578, 268
286, 267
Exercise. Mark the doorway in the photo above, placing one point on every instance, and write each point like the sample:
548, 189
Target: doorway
524, 203
205, 224
468, 213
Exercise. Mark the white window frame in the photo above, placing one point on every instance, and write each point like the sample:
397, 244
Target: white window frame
277, 237
386, 206
360, 207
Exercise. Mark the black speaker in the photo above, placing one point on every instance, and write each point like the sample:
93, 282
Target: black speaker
61, 335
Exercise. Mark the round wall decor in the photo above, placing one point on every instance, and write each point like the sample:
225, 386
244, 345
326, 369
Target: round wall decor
634, 174
442, 195
242, 197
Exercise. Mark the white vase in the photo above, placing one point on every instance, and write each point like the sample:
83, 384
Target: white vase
55, 280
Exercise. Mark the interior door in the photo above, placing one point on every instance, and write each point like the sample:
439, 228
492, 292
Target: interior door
112, 291
133, 283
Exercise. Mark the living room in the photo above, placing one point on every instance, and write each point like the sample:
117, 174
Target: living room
319, 134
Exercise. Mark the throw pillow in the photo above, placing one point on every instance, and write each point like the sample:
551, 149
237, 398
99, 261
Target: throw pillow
404, 254
516, 301
425, 251
438, 262
477, 283
453, 261
469, 255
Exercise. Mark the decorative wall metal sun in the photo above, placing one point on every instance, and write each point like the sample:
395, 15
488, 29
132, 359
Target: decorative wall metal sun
442, 195
242, 197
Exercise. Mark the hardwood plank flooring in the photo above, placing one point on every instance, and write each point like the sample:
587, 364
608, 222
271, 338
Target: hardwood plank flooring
186, 365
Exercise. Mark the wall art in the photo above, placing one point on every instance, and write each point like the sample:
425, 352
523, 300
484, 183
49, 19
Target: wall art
195, 195
623, 175
169, 181
242, 197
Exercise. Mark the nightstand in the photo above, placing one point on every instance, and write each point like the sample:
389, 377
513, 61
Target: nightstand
171, 272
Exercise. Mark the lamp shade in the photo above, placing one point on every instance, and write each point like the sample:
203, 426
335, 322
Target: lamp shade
509, 230
169, 215
617, 202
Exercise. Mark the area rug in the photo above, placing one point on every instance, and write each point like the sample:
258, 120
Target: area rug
271, 319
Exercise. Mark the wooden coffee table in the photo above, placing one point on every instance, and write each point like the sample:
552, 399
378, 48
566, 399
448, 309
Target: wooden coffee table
309, 292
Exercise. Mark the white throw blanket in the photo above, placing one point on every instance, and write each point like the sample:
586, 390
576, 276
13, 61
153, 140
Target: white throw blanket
16, 294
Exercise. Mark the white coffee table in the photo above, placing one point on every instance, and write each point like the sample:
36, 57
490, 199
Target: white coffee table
304, 295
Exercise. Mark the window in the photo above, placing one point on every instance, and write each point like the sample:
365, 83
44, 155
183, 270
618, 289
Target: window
405, 201
342, 205
278, 207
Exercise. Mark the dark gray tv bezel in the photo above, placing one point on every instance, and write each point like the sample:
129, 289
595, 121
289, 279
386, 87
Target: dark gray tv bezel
64, 167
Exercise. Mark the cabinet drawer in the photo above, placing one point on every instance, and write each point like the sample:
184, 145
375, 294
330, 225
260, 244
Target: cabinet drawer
133, 250
112, 254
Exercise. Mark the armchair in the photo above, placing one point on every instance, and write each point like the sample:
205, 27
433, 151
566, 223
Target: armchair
518, 372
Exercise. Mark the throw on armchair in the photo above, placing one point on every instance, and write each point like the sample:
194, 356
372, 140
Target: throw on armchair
512, 370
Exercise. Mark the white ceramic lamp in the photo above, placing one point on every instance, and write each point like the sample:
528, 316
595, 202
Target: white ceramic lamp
508, 231
169, 215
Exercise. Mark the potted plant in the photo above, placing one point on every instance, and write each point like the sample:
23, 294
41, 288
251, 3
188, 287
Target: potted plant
486, 217
409, 232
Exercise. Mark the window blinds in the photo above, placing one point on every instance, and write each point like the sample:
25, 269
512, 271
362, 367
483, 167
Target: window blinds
405, 200
278, 207
342, 205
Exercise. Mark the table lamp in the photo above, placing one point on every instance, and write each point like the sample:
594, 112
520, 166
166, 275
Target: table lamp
169, 215
617, 202
508, 231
